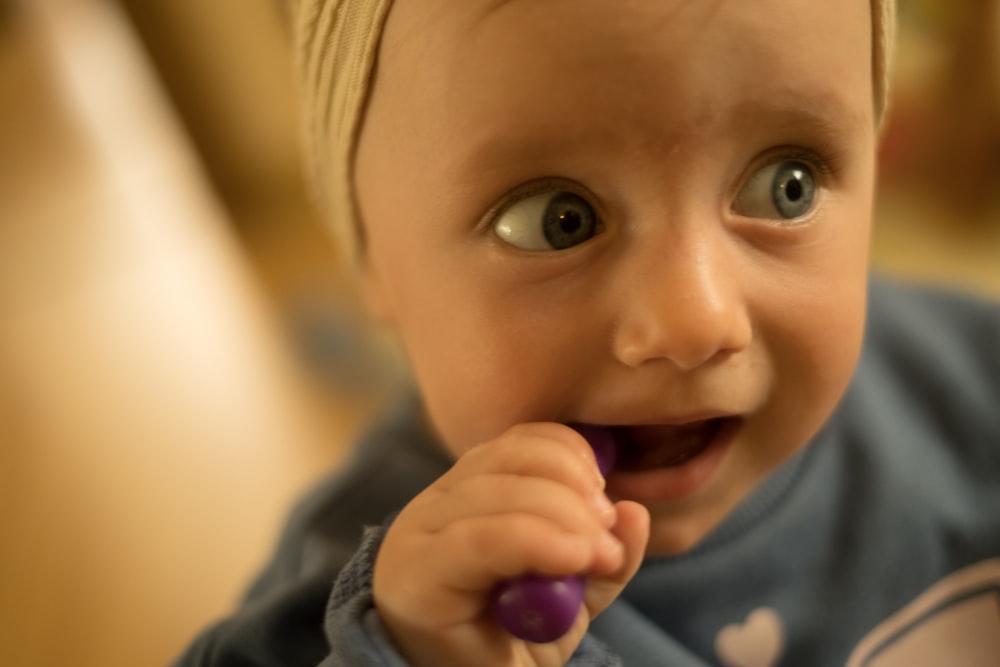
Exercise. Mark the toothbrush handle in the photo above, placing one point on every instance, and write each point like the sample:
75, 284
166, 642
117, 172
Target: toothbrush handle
542, 609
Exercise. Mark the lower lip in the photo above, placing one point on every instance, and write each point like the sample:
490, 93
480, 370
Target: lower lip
675, 482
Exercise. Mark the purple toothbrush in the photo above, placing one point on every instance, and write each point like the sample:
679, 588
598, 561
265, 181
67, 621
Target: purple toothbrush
542, 609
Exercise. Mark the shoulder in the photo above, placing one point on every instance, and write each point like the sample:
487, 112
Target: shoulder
324, 556
934, 342
913, 318
390, 464
927, 386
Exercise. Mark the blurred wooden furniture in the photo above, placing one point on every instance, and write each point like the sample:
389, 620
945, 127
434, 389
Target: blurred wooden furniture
939, 213
154, 426
944, 130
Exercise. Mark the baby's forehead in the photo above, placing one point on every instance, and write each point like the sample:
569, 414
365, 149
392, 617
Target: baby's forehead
612, 36
472, 14
715, 51
552, 89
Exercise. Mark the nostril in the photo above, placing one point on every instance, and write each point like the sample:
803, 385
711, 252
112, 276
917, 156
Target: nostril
685, 343
684, 358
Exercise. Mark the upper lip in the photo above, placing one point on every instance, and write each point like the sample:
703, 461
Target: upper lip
677, 420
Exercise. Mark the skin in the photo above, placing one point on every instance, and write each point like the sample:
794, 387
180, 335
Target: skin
686, 303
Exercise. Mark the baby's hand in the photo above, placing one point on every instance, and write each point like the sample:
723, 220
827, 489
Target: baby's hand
531, 500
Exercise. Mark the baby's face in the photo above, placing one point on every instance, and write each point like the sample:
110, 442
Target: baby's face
651, 215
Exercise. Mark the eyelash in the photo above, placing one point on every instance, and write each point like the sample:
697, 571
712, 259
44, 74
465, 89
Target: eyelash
825, 168
536, 187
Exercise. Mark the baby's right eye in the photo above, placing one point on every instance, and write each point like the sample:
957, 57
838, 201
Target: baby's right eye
548, 221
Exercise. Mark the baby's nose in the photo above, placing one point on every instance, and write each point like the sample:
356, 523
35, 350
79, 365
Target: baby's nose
683, 303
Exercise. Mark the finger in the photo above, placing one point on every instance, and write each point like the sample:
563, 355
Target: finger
475, 554
632, 529
560, 651
493, 494
549, 450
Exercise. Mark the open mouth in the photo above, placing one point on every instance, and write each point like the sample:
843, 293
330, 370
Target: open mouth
643, 448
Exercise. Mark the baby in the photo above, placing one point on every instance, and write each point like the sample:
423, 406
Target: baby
652, 216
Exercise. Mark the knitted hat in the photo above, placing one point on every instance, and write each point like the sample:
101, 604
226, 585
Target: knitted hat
336, 42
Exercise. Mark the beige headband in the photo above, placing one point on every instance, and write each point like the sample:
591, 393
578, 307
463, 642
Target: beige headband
336, 43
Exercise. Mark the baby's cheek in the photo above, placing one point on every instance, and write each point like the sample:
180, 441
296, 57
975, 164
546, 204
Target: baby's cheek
813, 347
823, 373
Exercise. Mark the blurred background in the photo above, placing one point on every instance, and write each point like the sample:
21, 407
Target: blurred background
180, 355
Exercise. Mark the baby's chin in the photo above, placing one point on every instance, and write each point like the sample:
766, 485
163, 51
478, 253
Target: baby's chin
676, 530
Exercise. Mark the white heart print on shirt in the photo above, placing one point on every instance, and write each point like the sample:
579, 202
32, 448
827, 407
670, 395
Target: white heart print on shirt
758, 642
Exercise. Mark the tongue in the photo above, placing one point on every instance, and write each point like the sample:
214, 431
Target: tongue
650, 447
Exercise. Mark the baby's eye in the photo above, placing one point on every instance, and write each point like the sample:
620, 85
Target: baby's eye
548, 221
783, 190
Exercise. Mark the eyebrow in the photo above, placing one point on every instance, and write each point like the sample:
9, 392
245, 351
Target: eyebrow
822, 111
493, 7
496, 4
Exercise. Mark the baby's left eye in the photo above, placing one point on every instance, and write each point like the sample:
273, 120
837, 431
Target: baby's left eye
548, 221
780, 191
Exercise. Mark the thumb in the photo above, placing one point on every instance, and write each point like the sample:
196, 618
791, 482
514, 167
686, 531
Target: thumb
632, 528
